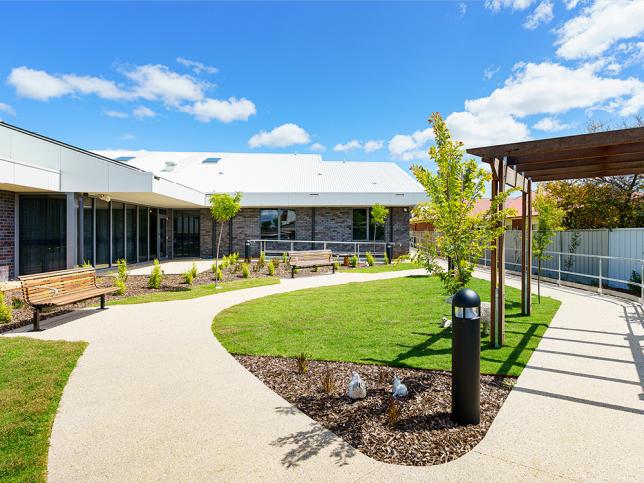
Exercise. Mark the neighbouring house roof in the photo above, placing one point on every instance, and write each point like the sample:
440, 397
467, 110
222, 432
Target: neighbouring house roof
515, 203
281, 179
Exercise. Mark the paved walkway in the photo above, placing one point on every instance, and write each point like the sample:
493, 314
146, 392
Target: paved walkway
156, 398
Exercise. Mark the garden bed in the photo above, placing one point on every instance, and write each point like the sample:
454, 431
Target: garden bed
424, 434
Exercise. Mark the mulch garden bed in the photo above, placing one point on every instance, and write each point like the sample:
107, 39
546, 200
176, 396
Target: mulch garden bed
424, 434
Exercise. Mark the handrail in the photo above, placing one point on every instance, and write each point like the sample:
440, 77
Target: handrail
354, 245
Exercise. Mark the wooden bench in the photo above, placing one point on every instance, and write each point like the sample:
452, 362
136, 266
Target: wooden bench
64, 287
310, 259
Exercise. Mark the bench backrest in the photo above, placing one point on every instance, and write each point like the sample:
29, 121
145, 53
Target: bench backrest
38, 288
309, 256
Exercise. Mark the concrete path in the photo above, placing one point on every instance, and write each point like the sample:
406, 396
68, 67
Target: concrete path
156, 398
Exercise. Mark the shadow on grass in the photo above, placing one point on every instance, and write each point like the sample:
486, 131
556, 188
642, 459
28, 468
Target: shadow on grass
423, 349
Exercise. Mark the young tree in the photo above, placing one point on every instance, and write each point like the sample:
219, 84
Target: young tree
550, 220
379, 216
453, 191
223, 207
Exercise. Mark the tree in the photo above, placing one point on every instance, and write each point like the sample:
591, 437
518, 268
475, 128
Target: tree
379, 216
223, 207
453, 191
550, 219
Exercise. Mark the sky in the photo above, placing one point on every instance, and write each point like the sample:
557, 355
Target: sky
351, 80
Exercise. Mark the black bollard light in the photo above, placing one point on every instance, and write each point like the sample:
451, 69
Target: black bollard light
389, 248
247, 251
466, 357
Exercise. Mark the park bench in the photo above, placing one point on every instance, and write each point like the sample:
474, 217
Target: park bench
64, 287
310, 259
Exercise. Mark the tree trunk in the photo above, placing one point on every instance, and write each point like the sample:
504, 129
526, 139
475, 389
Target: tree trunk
221, 230
539, 280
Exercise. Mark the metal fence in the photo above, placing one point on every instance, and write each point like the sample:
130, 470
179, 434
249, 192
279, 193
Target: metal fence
601, 259
358, 248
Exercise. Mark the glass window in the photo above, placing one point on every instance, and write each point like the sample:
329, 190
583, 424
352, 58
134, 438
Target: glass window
269, 226
42, 234
153, 233
360, 223
102, 233
88, 230
143, 233
118, 231
130, 227
186, 233
277, 224
379, 230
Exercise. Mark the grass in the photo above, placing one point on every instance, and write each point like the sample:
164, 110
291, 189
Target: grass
187, 292
383, 268
393, 322
33, 374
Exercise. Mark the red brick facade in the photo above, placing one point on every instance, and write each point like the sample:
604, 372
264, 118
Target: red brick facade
7, 231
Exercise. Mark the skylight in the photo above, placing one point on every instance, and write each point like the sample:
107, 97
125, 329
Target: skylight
123, 158
211, 160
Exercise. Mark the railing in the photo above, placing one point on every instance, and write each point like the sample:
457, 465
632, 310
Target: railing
561, 273
358, 248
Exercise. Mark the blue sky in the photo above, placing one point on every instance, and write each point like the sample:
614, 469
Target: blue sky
351, 80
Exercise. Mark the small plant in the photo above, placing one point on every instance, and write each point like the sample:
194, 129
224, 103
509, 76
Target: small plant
353, 261
17, 303
328, 383
225, 262
302, 361
336, 266
194, 270
370, 260
122, 269
635, 278
120, 284
245, 270
262, 260
284, 257
86, 264
156, 276
5, 311
394, 411
188, 277
276, 262
386, 260
271, 269
219, 276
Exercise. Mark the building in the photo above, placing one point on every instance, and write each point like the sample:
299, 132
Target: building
61, 206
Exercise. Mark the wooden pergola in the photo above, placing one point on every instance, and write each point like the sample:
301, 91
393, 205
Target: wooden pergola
610, 153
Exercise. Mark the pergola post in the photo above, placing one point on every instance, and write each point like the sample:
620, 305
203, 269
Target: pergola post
499, 333
495, 186
528, 272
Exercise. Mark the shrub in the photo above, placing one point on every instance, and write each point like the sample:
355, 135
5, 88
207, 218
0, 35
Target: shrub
86, 264
353, 261
245, 270
386, 259
284, 257
156, 276
328, 384
223, 264
5, 311
17, 303
122, 269
120, 284
194, 270
336, 266
394, 410
636, 278
188, 276
370, 260
302, 361
262, 260
219, 276
271, 269
234, 258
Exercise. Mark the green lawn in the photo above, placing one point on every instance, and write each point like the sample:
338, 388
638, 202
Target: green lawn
394, 322
196, 291
33, 374
382, 268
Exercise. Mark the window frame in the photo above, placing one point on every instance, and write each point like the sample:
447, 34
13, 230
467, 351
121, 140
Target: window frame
279, 212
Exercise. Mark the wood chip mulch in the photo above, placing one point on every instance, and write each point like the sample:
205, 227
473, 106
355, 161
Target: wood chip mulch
424, 434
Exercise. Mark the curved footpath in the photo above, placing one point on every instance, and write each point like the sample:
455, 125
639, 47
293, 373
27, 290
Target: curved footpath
155, 397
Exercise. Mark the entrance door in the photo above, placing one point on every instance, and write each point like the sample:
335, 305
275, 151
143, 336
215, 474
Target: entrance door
163, 234
186, 234
42, 226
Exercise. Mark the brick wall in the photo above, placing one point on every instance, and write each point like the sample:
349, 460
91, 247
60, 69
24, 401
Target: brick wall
7, 231
400, 217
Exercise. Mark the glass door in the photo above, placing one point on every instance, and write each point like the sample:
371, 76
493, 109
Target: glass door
42, 235
186, 234
163, 234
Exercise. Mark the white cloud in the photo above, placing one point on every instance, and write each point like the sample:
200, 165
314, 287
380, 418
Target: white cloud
570, 4
7, 109
497, 5
116, 114
541, 15
86, 85
550, 124
482, 130
197, 67
598, 27
317, 147
280, 137
127, 136
462, 9
490, 71
37, 84
348, 146
404, 146
373, 145
142, 112
229, 110
157, 82
633, 105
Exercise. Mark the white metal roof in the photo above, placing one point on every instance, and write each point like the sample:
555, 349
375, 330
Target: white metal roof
281, 179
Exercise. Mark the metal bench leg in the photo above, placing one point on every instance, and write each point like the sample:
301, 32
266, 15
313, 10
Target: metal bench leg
37, 319
333, 268
293, 271
102, 302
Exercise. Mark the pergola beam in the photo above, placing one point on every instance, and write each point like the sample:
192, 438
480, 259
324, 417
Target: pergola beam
615, 161
577, 154
590, 174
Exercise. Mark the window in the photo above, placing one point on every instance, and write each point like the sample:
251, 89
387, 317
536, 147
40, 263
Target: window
130, 225
118, 231
143, 233
362, 231
42, 235
277, 224
88, 230
102, 233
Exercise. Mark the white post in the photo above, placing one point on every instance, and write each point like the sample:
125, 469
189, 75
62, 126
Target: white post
600, 277
642, 285
559, 269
